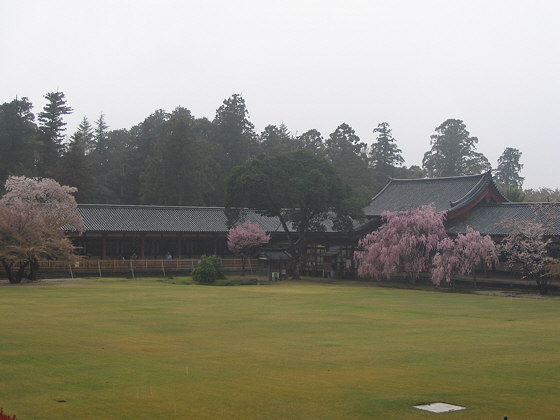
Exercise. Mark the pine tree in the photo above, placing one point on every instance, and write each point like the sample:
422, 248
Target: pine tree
76, 166
233, 140
454, 152
509, 168
52, 132
348, 154
275, 140
384, 153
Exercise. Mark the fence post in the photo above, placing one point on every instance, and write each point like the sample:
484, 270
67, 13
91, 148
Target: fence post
131, 268
99, 268
71, 274
163, 269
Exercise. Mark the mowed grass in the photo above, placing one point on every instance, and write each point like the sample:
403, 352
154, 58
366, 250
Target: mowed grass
141, 349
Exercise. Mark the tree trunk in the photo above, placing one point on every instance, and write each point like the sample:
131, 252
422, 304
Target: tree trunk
543, 286
33, 269
294, 252
9, 274
21, 271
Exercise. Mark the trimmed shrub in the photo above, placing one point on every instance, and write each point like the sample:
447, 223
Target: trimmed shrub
208, 270
217, 264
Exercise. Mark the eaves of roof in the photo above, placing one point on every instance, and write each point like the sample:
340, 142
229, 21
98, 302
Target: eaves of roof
496, 219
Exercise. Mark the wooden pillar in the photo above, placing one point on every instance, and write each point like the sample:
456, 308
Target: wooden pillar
179, 246
142, 247
103, 246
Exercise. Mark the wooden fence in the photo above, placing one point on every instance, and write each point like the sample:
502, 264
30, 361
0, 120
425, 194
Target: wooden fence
102, 268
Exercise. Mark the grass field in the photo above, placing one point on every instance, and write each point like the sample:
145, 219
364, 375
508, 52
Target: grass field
143, 349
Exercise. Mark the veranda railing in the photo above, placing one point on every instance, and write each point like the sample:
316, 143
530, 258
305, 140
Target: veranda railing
182, 266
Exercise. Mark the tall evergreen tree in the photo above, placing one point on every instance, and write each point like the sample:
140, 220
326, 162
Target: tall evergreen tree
100, 130
454, 152
313, 141
18, 139
274, 140
140, 146
234, 132
234, 141
384, 154
76, 166
52, 128
348, 154
84, 137
100, 157
509, 168
115, 181
176, 173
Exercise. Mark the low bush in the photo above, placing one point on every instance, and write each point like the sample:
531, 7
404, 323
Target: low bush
208, 270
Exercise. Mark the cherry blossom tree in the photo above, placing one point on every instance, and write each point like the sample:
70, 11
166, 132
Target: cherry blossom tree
245, 239
405, 243
463, 256
34, 214
526, 247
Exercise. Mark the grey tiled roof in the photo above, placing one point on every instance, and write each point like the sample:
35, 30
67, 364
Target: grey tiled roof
444, 193
120, 218
137, 218
489, 219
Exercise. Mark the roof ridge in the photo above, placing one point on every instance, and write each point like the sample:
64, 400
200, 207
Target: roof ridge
455, 177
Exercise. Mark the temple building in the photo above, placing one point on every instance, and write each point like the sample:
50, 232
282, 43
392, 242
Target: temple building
150, 232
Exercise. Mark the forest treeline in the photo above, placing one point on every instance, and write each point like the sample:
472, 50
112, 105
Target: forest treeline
175, 158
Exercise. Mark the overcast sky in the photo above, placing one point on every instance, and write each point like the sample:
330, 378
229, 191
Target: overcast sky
307, 64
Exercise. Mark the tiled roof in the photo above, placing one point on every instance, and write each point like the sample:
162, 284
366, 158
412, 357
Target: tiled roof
120, 218
449, 193
489, 219
137, 218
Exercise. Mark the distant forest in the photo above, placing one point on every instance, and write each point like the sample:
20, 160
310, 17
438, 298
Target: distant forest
175, 158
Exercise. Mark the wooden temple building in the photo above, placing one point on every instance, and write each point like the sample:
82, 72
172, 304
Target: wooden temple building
151, 232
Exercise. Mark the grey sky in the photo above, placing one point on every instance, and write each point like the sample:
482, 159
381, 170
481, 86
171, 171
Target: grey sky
309, 64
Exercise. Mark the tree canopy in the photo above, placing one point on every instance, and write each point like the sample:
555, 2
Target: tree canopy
18, 139
33, 217
509, 169
453, 152
136, 165
299, 188
384, 153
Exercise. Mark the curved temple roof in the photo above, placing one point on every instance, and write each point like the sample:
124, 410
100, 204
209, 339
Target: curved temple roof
446, 194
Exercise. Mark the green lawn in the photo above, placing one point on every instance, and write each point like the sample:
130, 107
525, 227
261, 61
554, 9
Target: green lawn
135, 349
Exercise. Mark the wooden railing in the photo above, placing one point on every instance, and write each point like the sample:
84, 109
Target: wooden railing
103, 267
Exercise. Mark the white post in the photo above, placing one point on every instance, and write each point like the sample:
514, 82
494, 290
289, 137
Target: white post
131, 268
99, 268
71, 274
163, 269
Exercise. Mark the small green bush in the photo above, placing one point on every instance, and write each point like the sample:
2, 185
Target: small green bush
208, 270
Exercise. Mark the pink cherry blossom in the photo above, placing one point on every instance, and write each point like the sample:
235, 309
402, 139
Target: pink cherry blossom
34, 214
245, 239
